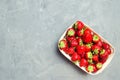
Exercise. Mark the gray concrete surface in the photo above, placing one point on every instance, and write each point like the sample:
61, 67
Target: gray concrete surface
30, 29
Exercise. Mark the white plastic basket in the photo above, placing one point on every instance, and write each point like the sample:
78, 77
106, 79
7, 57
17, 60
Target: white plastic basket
77, 64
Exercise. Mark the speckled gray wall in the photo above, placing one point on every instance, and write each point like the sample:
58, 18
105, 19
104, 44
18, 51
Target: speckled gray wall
30, 29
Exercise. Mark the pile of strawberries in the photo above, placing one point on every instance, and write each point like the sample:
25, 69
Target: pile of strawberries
85, 46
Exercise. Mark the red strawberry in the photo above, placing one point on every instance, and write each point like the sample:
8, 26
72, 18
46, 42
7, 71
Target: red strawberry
63, 44
70, 38
94, 67
73, 42
87, 38
103, 54
106, 46
75, 57
80, 32
103, 60
91, 68
70, 50
83, 62
109, 51
95, 58
79, 25
87, 31
88, 55
80, 42
99, 43
82, 55
70, 32
96, 49
80, 49
99, 65
88, 47
96, 38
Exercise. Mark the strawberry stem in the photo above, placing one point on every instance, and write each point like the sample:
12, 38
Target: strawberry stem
95, 37
61, 44
90, 68
90, 55
96, 51
102, 51
99, 65
71, 33
90, 61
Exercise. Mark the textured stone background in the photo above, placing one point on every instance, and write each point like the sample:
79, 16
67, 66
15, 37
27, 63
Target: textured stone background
30, 29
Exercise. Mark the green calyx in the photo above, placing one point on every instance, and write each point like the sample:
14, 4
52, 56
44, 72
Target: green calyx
90, 55
90, 68
75, 25
81, 43
102, 51
82, 31
90, 61
89, 45
95, 38
70, 33
99, 65
96, 51
61, 44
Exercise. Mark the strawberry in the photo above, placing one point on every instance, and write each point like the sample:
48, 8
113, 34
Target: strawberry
75, 57
87, 38
109, 51
96, 49
80, 32
99, 65
87, 31
70, 38
95, 58
88, 55
96, 38
91, 68
99, 43
78, 25
103, 54
82, 55
94, 67
80, 49
80, 42
70, 50
106, 46
70, 32
88, 47
83, 62
103, 60
63, 44
74, 42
